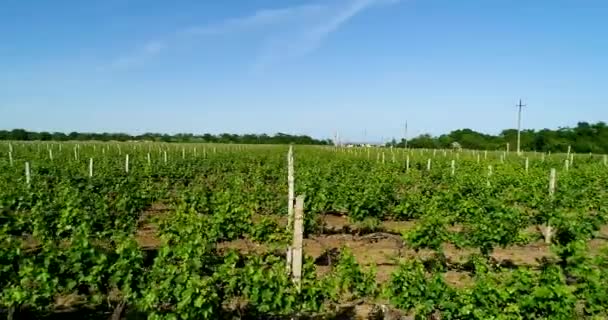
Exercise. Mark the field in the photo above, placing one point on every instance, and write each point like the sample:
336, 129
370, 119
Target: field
200, 231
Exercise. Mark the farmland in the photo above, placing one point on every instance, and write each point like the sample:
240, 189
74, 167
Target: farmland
199, 231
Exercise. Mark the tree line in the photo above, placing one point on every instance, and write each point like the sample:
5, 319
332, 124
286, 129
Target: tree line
583, 138
279, 138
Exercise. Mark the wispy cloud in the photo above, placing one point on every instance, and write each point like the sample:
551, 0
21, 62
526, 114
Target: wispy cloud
137, 57
311, 34
287, 33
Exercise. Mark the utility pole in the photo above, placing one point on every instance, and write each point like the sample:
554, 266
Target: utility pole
405, 136
519, 106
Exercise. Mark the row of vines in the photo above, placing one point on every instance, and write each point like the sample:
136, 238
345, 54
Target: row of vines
70, 232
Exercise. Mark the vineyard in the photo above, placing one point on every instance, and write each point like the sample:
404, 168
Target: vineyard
105, 230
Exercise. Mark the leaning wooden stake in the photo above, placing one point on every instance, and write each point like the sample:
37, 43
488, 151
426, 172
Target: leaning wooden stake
548, 229
290, 199
298, 238
28, 177
453, 167
489, 174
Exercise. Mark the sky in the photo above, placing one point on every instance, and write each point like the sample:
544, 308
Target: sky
358, 67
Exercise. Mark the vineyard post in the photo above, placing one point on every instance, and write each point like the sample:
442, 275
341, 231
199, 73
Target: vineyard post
434, 152
485, 155
290, 199
428, 165
127, 163
149, 160
27, 173
75, 154
10, 158
489, 174
566, 164
527, 164
568, 154
298, 237
453, 167
165, 156
382, 157
90, 167
51, 154
407, 163
183, 153
548, 229
478, 158
571, 159
508, 145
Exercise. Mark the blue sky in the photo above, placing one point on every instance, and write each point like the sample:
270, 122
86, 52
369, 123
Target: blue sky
309, 67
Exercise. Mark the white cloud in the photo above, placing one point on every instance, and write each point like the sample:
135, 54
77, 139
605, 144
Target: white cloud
288, 33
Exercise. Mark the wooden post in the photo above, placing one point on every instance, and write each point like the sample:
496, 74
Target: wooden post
10, 158
568, 154
508, 145
527, 164
165, 155
428, 165
571, 159
75, 154
298, 238
290, 199
51, 154
434, 152
548, 229
90, 167
478, 158
382, 157
183, 153
566, 164
407, 163
149, 159
485, 154
127, 163
453, 167
489, 174
27, 174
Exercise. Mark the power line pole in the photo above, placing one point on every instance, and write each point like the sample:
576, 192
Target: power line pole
405, 136
519, 106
